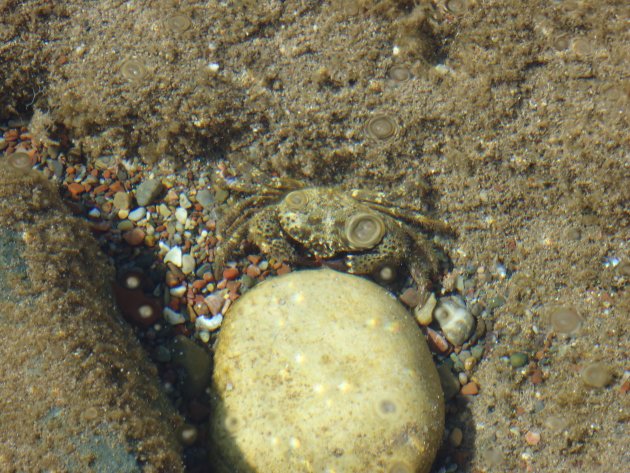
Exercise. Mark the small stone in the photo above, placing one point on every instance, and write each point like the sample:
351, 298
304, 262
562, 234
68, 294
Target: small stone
137, 214
411, 297
184, 202
536, 377
230, 273
172, 317
462, 377
164, 210
450, 384
205, 198
437, 342
76, 189
221, 196
456, 437
188, 435
178, 291
470, 389
203, 269
125, 225
214, 303
455, 319
209, 324
174, 255
424, 313
181, 215
188, 264
253, 271
162, 354
477, 352
469, 363
122, 200
134, 237
518, 359
148, 191
532, 438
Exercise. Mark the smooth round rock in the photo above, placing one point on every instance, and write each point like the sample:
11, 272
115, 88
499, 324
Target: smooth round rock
321, 371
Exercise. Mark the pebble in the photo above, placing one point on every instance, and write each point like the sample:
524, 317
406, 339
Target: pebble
214, 303
454, 319
424, 313
450, 384
532, 438
172, 317
148, 191
456, 437
205, 198
205, 268
162, 354
411, 297
188, 264
125, 225
134, 237
181, 215
178, 291
230, 273
209, 324
174, 255
122, 200
518, 359
184, 202
437, 343
137, 214
470, 389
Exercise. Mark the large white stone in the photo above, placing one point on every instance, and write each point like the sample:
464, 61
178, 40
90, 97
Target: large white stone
320, 371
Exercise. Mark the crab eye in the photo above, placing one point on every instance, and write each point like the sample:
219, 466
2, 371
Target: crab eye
296, 200
364, 230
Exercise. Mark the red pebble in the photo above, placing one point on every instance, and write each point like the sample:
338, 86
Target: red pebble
230, 273
470, 389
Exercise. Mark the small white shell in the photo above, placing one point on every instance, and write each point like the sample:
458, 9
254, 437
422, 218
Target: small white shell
455, 320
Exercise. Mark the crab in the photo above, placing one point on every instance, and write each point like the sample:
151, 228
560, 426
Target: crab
359, 231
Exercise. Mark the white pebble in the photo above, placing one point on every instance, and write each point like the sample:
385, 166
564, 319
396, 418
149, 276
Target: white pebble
137, 214
181, 214
424, 313
209, 324
94, 213
455, 320
178, 291
174, 256
184, 201
188, 264
172, 317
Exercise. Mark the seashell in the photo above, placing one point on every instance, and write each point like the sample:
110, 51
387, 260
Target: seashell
454, 319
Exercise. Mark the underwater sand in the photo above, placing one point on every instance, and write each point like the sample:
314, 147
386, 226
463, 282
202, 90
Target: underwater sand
513, 127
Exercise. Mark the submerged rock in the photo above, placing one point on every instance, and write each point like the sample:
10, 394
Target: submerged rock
324, 371
77, 392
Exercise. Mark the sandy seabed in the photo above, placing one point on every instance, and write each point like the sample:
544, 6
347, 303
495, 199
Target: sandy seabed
509, 119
